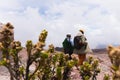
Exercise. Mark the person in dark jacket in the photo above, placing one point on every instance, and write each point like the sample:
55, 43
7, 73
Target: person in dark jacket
67, 45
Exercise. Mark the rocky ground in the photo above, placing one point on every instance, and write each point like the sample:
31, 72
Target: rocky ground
100, 55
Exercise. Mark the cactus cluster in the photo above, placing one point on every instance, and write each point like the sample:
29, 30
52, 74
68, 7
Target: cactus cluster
89, 70
114, 55
49, 64
106, 77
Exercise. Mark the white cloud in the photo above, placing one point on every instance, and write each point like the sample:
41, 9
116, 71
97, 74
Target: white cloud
99, 18
8, 5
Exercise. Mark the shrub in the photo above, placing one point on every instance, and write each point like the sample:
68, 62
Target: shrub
89, 69
114, 55
49, 64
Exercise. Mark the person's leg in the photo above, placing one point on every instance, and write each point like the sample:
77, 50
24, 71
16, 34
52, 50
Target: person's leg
65, 51
70, 55
82, 58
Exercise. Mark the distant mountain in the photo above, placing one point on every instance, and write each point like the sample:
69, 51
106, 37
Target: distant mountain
105, 45
101, 46
100, 50
59, 49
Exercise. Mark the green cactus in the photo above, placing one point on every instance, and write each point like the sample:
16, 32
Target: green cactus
59, 73
89, 69
116, 72
43, 36
114, 55
106, 77
49, 64
51, 49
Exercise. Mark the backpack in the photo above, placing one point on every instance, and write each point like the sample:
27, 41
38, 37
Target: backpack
79, 42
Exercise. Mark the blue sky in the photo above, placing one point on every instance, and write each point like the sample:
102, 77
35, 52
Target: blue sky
99, 18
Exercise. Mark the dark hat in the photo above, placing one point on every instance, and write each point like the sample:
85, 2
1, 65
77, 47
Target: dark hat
68, 35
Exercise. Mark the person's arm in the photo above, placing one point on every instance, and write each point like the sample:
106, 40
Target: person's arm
64, 43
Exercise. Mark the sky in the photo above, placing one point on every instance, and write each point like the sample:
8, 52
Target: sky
100, 20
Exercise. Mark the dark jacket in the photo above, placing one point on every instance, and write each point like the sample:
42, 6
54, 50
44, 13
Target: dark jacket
68, 47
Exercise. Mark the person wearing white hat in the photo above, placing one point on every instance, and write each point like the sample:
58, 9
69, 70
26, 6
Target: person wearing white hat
81, 47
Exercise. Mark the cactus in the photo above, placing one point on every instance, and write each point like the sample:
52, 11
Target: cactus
49, 64
89, 69
106, 77
5, 46
116, 72
114, 55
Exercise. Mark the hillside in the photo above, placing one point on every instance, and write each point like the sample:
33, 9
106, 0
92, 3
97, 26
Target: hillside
101, 50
